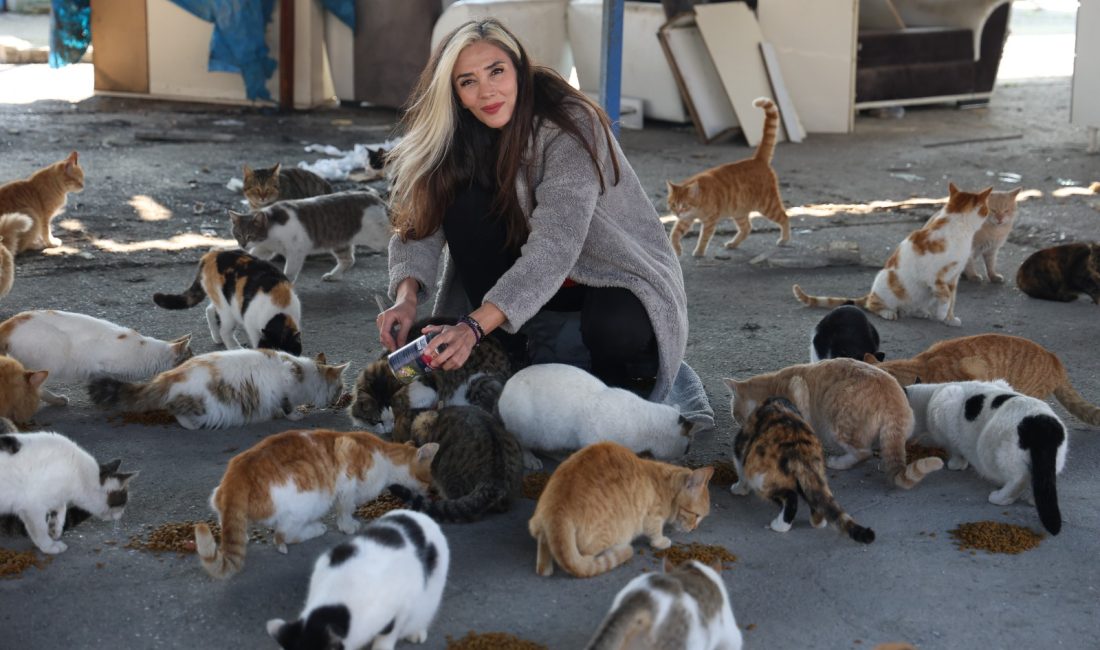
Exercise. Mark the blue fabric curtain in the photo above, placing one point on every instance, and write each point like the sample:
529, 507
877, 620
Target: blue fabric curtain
70, 31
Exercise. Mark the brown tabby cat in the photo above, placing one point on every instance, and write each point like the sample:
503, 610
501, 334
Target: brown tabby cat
290, 480
604, 496
732, 190
19, 389
41, 197
262, 187
1027, 366
992, 236
12, 226
778, 456
845, 400
1062, 272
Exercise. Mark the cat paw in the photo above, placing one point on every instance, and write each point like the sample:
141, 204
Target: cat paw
847, 461
281, 547
778, 525
818, 521
530, 461
957, 463
54, 548
998, 499
418, 637
294, 415
783, 241
973, 277
661, 543
348, 527
330, 277
997, 278
54, 242
952, 322
887, 314
53, 399
739, 488
187, 423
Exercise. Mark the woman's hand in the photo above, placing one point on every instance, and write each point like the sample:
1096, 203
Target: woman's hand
452, 347
395, 322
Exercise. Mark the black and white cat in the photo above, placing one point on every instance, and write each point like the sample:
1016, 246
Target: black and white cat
844, 332
43, 474
371, 591
333, 223
1011, 439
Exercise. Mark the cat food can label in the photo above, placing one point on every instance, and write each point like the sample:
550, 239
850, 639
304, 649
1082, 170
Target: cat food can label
413, 360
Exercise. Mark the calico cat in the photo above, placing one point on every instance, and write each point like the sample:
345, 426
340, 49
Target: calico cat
732, 190
848, 401
43, 473
553, 407
1012, 440
777, 455
382, 586
684, 608
76, 347
992, 236
376, 158
1061, 273
479, 467
12, 226
42, 197
290, 480
921, 276
262, 187
1029, 367
231, 388
602, 497
334, 222
844, 332
19, 389
244, 291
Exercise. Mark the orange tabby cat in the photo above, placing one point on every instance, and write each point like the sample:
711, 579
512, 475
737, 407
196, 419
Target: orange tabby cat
604, 496
42, 196
732, 190
849, 401
19, 389
291, 479
1027, 366
991, 236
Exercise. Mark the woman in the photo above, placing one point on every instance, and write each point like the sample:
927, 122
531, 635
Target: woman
518, 175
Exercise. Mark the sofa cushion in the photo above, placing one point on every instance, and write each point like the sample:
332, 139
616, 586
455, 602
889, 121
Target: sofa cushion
914, 45
889, 82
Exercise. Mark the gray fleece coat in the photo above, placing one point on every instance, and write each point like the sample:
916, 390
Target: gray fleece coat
613, 239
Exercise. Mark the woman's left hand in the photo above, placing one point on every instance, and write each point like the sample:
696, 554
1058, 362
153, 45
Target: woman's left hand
452, 347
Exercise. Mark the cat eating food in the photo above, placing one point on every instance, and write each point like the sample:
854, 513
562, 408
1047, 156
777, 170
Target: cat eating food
19, 389
262, 187
1062, 273
845, 332
42, 197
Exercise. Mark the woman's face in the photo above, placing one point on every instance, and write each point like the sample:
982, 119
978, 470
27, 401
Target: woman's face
485, 81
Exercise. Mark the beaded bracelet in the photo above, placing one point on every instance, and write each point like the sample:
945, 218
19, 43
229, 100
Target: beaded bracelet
474, 326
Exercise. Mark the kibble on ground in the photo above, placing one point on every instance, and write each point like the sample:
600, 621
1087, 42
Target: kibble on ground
706, 553
995, 537
14, 563
491, 641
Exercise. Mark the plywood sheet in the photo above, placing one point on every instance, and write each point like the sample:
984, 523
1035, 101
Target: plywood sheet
121, 45
1085, 107
787, 112
697, 78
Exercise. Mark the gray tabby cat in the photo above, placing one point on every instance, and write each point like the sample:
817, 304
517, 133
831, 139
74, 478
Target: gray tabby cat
335, 223
262, 187
478, 468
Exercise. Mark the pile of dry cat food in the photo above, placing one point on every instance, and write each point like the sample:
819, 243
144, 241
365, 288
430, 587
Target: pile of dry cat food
14, 563
706, 553
995, 537
534, 483
915, 452
146, 418
491, 641
179, 537
380, 506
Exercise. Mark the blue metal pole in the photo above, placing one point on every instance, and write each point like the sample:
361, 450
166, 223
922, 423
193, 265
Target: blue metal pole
611, 61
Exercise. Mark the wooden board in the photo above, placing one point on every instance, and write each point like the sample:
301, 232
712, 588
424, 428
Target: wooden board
697, 78
733, 38
121, 47
782, 98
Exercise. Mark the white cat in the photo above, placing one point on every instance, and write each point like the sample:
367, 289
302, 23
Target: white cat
381, 586
1011, 439
42, 474
552, 407
230, 388
686, 608
77, 347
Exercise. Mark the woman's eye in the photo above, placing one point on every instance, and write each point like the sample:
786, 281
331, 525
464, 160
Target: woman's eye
497, 71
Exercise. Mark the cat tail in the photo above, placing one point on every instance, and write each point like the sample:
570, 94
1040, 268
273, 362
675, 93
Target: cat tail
1042, 435
463, 509
130, 396
766, 148
812, 485
189, 298
892, 447
11, 226
827, 301
228, 559
627, 626
561, 537
1077, 405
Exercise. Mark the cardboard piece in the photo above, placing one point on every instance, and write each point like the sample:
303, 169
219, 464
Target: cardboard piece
697, 78
733, 38
782, 98
121, 46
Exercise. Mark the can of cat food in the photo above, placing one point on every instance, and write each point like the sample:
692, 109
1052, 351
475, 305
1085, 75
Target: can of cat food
412, 360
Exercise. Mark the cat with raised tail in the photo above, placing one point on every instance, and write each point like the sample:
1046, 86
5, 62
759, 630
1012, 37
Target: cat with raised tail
244, 292
43, 474
921, 277
554, 407
383, 586
231, 388
850, 403
290, 480
265, 186
1011, 439
732, 190
845, 332
11, 227
684, 608
77, 347
334, 223
41, 197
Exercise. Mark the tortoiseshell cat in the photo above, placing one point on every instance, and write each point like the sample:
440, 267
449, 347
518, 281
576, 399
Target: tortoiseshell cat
12, 226
602, 497
262, 187
732, 190
1061, 273
244, 291
1027, 366
42, 197
992, 236
778, 456
478, 469
921, 276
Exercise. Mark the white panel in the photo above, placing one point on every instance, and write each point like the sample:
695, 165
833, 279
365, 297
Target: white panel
1085, 109
538, 24
340, 44
713, 113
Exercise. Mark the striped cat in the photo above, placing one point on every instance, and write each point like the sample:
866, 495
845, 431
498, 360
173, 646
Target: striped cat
921, 276
244, 291
262, 187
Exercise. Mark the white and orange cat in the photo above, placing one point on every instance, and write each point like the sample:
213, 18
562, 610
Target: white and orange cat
42, 196
732, 190
992, 236
921, 276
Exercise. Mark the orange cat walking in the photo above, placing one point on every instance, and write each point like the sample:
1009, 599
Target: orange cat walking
41, 197
732, 190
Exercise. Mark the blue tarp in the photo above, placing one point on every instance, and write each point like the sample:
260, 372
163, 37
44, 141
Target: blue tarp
70, 31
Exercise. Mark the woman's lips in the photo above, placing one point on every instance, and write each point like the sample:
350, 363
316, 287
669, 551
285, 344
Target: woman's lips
491, 109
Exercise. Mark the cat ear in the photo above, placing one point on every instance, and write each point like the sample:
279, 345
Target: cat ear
71, 160
182, 340
732, 384
871, 358
275, 170
699, 479
427, 452
952, 189
881, 356
36, 378
916, 380
109, 469
320, 358
984, 194
125, 477
1014, 192
247, 173
237, 216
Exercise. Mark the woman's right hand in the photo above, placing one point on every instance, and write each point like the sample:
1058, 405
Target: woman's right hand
396, 320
